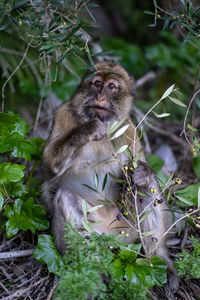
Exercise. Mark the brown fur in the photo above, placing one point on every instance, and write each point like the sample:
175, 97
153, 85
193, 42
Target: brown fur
78, 148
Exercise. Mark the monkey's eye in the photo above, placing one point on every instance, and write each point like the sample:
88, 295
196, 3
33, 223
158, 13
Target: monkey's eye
98, 83
111, 86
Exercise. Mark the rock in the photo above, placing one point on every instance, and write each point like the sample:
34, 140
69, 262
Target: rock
165, 152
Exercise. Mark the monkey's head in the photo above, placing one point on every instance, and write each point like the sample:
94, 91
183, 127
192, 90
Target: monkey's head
105, 93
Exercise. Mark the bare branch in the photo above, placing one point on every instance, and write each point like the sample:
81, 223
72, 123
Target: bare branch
15, 254
12, 74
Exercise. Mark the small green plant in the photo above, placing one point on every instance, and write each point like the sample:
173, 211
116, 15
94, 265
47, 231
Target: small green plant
100, 267
188, 263
17, 193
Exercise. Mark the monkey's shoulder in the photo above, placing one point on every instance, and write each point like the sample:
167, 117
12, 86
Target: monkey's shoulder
64, 120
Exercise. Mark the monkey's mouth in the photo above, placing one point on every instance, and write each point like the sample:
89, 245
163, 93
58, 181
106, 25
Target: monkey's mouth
99, 111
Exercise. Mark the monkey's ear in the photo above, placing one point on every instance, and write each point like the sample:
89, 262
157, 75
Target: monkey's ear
132, 85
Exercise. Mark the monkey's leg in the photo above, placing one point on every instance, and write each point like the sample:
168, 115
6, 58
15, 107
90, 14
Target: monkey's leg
157, 221
65, 205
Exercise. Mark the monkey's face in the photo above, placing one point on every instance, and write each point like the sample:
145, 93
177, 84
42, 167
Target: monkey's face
107, 95
101, 95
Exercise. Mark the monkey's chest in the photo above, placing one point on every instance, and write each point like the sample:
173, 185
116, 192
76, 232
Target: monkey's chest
91, 169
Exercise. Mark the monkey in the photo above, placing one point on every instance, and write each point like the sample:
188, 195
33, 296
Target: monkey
79, 147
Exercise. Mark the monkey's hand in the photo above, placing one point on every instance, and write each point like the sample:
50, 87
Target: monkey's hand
99, 130
141, 176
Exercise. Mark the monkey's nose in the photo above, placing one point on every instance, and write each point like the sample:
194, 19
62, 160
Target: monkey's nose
100, 97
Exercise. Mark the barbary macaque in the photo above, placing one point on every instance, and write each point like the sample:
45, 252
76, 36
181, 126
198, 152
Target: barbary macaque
79, 147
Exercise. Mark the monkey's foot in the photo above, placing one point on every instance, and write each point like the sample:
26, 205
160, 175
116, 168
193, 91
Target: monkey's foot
142, 174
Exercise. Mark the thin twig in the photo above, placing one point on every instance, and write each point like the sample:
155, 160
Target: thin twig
186, 115
147, 77
159, 130
180, 219
18, 294
11, 75
49, 297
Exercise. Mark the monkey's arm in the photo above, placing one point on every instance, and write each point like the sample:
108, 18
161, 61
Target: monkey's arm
67, 136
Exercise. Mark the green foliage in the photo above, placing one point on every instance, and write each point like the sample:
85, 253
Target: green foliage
58, 46
188, 263
13, 132
24, 215
16, 195
186, 16
87, 262
189, 195
155, 162
47, 253
196, 166
10, 173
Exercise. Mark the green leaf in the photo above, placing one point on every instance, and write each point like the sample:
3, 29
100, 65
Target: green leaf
119, 132
92, 4
155, 162
104, 182
87, 227
47, 253
163, 115
148, 233
189, 195
144, 216
89, 187
24, 215
19, 4
60, 59
167, 92
116, 179
118, 268
1, 200
122, 149
12, 131
196, 166
5, 26
130, 254
46, 47
24, 149
178, 102
96, 180
114, 126
94, 208
142, 194
84, 209
11, 173
103, 53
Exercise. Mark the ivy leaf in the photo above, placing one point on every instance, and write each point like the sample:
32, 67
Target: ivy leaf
189, 195
24, 150
12, 131
24, 215
155, 162
11, 173
47, 253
